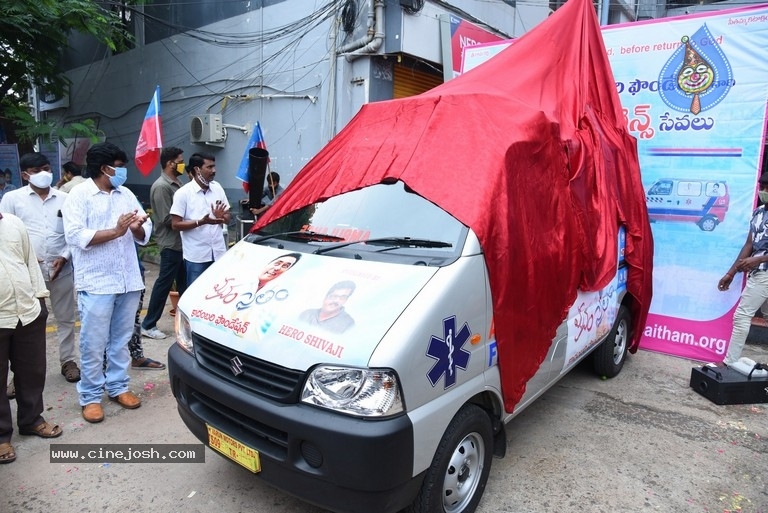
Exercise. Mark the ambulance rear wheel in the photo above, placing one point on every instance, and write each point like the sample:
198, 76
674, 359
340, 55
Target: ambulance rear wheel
609, 358
708, 223
456, 480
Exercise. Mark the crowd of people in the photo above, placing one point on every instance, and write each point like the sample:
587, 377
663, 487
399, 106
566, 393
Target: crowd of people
76, 243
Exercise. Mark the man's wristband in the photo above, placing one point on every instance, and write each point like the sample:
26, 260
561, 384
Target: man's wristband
729, 274
197, 222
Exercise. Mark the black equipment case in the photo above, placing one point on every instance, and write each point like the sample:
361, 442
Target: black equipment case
723, 385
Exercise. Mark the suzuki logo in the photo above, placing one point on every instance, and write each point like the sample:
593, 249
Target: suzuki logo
236, 366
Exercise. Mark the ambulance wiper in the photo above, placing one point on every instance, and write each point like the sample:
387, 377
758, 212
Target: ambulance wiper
397, 242
297, 235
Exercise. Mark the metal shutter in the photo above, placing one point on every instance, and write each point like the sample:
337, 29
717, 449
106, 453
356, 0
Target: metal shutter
410, 81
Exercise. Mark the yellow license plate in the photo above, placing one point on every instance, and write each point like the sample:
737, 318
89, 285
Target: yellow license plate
234, 450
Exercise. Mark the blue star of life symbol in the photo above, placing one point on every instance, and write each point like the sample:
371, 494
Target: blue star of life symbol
448, 352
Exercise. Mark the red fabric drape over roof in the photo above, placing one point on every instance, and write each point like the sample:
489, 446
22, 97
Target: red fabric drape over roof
531, 151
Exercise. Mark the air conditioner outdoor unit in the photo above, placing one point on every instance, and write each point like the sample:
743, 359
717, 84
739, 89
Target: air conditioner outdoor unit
206, 128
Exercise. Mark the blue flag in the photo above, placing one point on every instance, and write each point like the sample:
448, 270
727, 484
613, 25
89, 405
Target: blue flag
256, 141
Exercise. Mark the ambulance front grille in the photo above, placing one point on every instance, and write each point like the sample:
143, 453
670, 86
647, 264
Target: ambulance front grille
258, 376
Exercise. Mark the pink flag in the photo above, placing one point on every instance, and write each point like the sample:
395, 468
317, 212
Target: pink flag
150, 138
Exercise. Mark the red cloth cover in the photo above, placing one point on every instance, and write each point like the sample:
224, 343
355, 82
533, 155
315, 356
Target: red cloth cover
531, 151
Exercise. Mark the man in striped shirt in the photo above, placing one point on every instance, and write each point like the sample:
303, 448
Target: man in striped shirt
103, 221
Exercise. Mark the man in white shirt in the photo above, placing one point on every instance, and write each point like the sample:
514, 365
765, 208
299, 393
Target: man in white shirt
39, 206
102, 223
22, 336
199, 209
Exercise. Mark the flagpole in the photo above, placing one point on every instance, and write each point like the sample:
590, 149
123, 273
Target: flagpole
156, 101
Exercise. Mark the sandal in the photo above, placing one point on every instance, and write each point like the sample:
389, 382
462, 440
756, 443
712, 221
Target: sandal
43, 430
147, 364
70, 371
7, 454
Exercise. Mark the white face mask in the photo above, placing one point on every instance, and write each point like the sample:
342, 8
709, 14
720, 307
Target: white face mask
42, 179
202, 181
763, 196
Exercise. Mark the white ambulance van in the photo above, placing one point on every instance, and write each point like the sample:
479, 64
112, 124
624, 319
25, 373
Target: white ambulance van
345, 353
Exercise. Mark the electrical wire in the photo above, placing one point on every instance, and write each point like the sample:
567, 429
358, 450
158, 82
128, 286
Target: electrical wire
348, 16
258, 75
242, 39
417, 6
253, 77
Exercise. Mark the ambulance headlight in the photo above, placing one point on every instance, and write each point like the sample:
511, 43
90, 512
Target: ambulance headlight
359, 392
184, 332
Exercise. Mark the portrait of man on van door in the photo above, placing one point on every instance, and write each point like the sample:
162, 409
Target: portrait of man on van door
276, 268
331, 316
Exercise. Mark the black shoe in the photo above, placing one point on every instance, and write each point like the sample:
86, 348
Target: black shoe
70, 371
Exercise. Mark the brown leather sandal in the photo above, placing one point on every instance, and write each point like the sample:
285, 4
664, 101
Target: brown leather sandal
43, 430
7, 454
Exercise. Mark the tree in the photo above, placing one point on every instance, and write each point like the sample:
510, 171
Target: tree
33, 36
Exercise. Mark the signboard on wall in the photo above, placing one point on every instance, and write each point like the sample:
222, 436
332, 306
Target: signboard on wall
693, 89
9, 162
475, 55
457, 34
51, 150
75, 149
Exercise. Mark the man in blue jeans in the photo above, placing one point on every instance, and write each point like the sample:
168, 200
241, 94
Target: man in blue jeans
102, 221
168, 240
199, 209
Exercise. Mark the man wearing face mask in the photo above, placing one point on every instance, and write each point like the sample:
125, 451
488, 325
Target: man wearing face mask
199, 209
39, 206
102, 223
168, 240
753, 260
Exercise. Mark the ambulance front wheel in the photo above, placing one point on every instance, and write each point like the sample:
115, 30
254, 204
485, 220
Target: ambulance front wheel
708, 223
608, 359
455, 481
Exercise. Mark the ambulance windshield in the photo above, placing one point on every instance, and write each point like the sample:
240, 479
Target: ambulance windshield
389, 216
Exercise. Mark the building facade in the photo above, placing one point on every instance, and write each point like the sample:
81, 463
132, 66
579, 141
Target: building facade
301, 68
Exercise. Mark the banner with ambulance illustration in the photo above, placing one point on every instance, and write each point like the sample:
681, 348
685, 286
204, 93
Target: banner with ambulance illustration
694, 91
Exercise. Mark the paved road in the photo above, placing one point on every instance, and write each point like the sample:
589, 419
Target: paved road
642, 442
